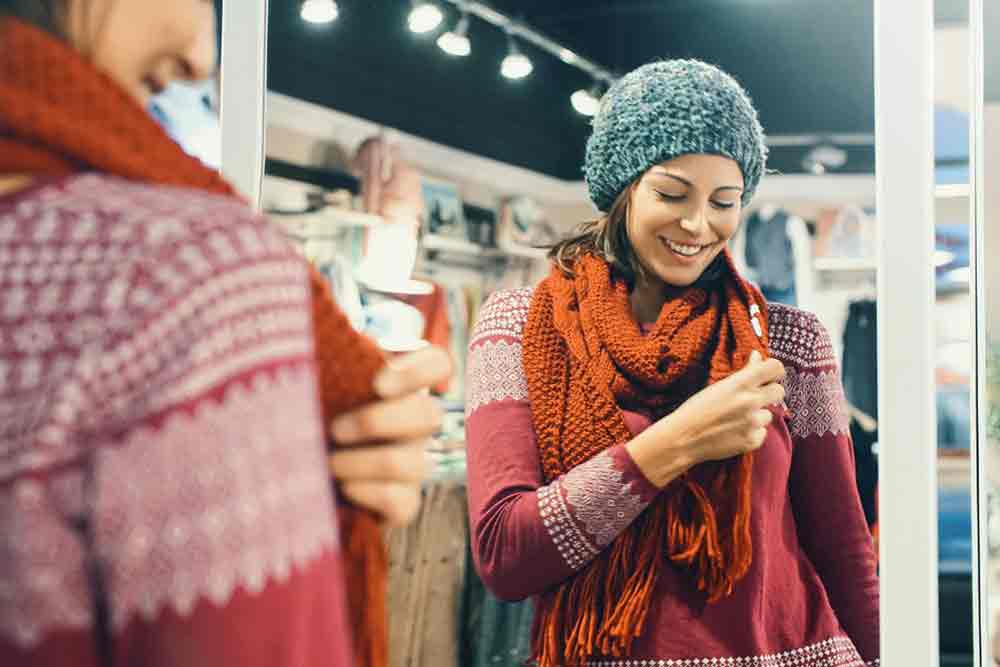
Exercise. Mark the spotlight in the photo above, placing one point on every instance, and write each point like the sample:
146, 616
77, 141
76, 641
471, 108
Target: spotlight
567, 56
456, 42
320, 11
824, 157
587, 102
516, 65
424, 17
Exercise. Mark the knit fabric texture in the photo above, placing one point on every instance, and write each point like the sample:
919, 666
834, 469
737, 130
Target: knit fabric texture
586, 359
667, 109
60, 115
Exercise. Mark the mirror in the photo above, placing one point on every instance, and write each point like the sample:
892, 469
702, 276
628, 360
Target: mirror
987, 199
425, 154
952, 315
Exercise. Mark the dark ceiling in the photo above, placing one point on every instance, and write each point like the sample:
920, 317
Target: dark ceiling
808, 64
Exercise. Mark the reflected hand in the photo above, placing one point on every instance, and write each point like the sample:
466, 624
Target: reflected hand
380, 462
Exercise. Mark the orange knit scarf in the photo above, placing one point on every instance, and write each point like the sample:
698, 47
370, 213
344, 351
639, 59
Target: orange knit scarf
60, 115
584, 356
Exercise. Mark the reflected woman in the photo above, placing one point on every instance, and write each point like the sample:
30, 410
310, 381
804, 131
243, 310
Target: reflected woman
656, 454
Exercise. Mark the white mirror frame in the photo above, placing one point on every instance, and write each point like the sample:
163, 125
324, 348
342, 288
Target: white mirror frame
904, 53
982, 614
904, 137
244, 82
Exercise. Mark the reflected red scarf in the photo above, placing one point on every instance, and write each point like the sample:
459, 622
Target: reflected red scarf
59, 115
584, 356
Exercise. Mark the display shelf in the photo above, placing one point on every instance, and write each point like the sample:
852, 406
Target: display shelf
462, 247
844, 264
448, 244
526, 252
955, 191
323, 223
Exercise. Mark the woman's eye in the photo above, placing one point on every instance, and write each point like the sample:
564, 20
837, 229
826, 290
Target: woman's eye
723, 205
669, 197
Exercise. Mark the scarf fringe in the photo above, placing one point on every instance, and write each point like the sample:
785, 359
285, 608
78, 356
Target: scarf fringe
602, 610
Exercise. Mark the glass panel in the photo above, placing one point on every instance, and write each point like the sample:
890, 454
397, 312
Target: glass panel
953, 326
424, 166
988, 217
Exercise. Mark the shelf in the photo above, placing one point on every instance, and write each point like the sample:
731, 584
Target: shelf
462, 247
448, 244
844, 264
324, 223
957, 191
526, 252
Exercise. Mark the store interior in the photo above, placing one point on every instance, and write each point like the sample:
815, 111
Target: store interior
425, 154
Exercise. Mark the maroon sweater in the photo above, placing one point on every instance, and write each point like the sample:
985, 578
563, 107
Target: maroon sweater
158, 383
811, 596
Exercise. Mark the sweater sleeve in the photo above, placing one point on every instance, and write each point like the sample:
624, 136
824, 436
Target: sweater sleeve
831, 522
214, 511
528, 536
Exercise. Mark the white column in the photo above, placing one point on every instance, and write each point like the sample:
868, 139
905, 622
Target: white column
244, 79
904, 135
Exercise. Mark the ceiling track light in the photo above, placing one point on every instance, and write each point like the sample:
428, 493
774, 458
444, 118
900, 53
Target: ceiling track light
587, 102
516, 65
319, 11
456, 42
424, 17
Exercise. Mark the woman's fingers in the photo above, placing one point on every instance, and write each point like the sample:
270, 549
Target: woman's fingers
400, 462
411, 417
398, 504
413, 372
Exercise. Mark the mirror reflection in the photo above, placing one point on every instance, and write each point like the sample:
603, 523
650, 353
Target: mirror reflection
600, 491
954, 331
988, 144
607, 270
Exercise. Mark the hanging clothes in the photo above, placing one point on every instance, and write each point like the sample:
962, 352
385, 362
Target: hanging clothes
437, 325
770, 256
494, 633
427, 562
860, 378
390, 187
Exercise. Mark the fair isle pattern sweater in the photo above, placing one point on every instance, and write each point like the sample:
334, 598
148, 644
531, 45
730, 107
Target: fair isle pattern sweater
811, 596
159, 417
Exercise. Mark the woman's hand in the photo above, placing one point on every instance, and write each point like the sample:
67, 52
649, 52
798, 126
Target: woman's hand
726, 419
380, 461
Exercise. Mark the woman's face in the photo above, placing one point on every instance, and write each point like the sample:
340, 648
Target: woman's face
682, 213
143, 44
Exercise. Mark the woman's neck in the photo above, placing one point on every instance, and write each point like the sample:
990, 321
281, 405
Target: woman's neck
648, 297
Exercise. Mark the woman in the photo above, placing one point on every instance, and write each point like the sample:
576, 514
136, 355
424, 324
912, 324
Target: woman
632, 462
164, 498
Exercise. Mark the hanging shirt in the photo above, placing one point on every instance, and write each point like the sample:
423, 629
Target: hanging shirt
769, 251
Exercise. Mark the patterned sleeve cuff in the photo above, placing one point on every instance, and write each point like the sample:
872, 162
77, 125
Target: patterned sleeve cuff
587, 508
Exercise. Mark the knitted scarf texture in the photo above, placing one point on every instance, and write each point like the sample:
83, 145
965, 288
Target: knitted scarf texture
586, 359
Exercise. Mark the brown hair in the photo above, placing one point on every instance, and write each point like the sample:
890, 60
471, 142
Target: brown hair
605, 237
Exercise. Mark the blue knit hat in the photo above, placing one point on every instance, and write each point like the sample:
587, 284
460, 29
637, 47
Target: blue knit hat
667, 109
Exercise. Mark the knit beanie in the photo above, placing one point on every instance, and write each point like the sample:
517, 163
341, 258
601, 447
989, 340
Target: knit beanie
667, 109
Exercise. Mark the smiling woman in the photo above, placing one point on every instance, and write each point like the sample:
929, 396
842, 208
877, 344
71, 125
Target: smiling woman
651, 423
